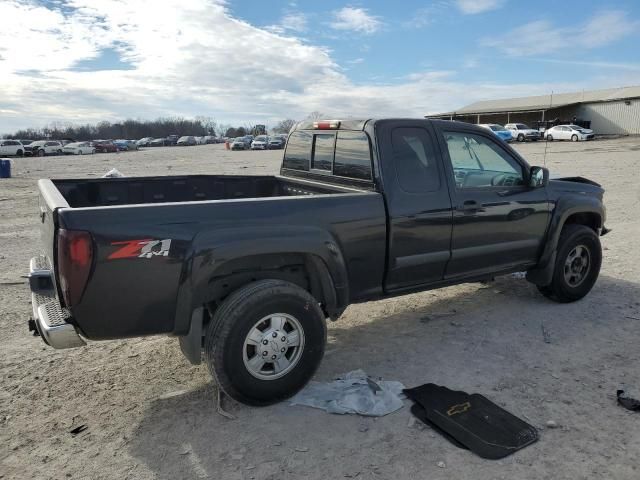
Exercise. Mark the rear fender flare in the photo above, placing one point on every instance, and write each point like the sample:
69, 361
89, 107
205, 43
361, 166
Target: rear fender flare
212, 253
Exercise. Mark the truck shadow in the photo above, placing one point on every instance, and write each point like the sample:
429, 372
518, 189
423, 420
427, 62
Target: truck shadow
498, 339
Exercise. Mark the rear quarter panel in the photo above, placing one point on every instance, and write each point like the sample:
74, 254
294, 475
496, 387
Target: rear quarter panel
130, 295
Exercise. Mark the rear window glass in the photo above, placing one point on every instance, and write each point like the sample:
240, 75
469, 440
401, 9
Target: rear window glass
353, 158
322, 151
414, 160
298, 153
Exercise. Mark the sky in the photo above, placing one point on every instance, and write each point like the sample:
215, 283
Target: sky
248, 62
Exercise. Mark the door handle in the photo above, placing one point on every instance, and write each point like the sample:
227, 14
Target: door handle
470, 206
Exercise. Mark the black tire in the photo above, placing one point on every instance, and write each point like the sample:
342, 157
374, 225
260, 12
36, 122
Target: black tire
549, 138
520, 137
41, 153
20, 153
574, 138
237, 316
572, 237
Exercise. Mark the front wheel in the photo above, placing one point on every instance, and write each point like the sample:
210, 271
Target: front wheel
521, 137
265, 342
577, 265
550, 138
574, 138
41, 153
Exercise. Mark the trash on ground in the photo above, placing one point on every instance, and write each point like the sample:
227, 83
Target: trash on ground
78, 429
355, 393
471, 421
628, 402
113, 173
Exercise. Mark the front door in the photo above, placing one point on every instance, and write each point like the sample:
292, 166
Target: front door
499, 221
418, 203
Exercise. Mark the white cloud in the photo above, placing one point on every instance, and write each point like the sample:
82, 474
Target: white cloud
185, 58
473, 7
602, 29
293, 22
355, 19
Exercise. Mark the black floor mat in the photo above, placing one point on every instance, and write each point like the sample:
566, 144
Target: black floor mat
471, 421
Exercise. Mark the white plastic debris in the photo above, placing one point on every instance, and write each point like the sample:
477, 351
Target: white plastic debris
355, 393
113, 173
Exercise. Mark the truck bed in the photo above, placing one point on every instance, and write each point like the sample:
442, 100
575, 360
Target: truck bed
189, 188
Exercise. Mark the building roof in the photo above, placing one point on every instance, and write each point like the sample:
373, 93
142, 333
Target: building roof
546, 102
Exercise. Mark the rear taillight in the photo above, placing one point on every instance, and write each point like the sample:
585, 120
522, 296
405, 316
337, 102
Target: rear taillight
75, 257
326, 125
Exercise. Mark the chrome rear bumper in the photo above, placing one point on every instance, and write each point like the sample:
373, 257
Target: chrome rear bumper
50, 319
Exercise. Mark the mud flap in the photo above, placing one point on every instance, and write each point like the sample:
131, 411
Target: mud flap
471, 421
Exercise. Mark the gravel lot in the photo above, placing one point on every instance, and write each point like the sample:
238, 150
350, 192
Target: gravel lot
149, 414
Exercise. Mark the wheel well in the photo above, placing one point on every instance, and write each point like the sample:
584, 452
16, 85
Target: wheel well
300, 269
590, 219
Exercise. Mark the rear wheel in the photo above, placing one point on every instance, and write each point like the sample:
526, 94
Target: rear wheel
577, 265
265, 342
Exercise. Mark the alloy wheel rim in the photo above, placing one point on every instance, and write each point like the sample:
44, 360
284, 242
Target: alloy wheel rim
273, 346
577, 265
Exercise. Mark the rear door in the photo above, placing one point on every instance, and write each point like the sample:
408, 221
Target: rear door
418, 203
499, 221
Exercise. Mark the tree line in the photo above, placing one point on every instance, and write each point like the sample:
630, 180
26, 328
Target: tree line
136, 129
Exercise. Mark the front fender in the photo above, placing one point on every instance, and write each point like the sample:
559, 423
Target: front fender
566, 206
211, 251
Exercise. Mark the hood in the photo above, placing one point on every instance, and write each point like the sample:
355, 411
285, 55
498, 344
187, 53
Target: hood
576, 184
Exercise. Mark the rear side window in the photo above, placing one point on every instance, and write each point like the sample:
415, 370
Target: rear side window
353, 158
298, 153
323, 145
414, 160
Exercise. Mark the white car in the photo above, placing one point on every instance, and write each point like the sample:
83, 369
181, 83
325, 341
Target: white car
574, 133
78, 148
11, 147
40, 148
261, 142
522, 132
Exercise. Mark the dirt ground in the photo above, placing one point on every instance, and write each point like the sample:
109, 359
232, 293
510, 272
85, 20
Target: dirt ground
150, 414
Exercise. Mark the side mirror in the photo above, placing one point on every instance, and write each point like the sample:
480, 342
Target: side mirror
538, 177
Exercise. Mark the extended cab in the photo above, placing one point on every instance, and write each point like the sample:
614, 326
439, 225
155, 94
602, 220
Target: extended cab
248, 268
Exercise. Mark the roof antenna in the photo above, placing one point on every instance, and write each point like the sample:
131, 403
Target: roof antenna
546, 137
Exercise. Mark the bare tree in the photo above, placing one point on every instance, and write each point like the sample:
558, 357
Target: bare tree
315, 116
284, 126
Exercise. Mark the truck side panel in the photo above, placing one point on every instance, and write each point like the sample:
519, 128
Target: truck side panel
134, 287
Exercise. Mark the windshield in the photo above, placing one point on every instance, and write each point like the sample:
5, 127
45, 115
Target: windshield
576, 127
521, 126
261, 138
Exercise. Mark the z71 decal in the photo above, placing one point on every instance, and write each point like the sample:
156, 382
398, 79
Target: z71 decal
145, 248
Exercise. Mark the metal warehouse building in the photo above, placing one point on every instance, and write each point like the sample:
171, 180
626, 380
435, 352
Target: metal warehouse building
610, 111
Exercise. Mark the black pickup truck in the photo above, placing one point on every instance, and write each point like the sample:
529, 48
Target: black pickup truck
248, 268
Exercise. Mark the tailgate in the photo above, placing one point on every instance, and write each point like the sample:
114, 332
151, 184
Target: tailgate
49, 201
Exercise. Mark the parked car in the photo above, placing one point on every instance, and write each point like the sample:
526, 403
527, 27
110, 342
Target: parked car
79, 148
261, 142
105, 146
144, 142
499, 130
239, 144
522, 132
11, 148
187, 140
126, 145
40, 148
568, 132
249, 268
26, 142
172, 140
276, 143
158, 142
